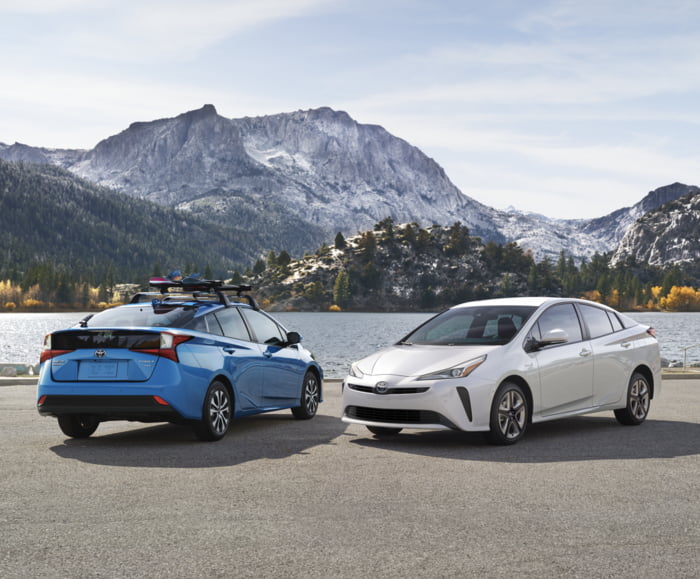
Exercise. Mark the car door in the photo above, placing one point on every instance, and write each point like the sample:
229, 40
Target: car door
283, 367
565, 370
243, 359
611, 348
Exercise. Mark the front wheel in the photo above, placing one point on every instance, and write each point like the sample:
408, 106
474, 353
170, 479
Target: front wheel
638, 397
310, 397
216, 413
78, 425
509, 415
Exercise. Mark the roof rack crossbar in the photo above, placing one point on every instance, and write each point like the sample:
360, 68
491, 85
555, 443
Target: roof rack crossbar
196, 288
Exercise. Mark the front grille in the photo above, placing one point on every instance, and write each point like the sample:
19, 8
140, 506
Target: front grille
370, 389
397, 416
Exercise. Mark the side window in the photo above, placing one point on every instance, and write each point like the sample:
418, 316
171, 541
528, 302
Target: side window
265, 329
206, 323
232, 324
199, 325
597, 321
615, 321
561, 317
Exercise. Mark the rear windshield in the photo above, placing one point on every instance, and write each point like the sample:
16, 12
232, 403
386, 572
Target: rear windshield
143, 315
480, 325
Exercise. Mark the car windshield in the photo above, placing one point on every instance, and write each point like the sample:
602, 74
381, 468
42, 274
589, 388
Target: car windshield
145, 315
478, 325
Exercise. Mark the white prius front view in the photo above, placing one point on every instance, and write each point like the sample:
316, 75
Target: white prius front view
498, 365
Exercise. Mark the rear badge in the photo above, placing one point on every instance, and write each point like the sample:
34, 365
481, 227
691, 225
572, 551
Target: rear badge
100, 353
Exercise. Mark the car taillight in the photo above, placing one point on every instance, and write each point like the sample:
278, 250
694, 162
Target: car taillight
47, 353
651, 332
167, 346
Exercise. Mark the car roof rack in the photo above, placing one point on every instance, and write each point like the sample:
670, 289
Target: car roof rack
200, 290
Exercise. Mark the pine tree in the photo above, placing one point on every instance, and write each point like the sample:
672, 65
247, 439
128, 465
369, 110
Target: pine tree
340, 242
341, 289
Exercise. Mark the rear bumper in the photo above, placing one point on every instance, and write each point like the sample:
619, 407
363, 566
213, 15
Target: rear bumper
141, 408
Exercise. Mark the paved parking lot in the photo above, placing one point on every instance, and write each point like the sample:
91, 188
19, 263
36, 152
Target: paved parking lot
280, 498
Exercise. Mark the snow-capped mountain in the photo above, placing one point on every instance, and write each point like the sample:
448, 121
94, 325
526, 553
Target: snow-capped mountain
663, 236
582, 237
302, 177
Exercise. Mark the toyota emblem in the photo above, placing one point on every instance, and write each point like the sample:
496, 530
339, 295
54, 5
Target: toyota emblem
381, 388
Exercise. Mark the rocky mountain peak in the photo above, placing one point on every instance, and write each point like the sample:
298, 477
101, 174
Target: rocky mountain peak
303, 176
667, 235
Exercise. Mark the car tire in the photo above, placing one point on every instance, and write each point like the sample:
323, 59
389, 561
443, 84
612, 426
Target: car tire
78, 425
380, 431
638, 400
310, 397
217, 412
509, 415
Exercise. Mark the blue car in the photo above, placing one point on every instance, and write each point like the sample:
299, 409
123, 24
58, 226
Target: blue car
195, 352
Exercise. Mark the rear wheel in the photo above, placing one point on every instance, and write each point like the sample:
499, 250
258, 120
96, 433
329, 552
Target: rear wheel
216, 413
638, 397
78, 425
310, 397
380, 431
509, 415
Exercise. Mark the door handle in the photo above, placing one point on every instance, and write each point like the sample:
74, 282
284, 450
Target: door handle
230, 350
626, 344
584, 353
267, 354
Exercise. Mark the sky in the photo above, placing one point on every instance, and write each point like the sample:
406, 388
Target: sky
566, 108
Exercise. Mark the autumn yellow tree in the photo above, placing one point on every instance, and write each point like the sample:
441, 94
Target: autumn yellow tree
681, 299
593, 296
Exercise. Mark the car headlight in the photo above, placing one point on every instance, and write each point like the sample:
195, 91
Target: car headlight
356, 372
461, 371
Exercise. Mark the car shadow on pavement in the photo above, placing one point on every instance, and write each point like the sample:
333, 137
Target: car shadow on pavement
582, 438
172, 446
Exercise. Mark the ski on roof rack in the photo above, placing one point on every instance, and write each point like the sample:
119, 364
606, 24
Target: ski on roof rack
195, 285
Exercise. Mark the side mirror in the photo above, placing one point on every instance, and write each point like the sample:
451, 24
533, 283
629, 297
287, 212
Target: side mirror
555, 336
293, 338
551, 338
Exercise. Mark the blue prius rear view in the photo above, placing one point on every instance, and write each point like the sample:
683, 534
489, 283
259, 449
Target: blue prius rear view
199, 352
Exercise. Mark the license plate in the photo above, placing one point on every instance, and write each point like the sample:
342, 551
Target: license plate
102, 370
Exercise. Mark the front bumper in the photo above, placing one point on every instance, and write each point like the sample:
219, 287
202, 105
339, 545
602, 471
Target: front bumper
405, 403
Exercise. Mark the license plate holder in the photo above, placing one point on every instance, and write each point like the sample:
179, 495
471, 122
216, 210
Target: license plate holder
100, 370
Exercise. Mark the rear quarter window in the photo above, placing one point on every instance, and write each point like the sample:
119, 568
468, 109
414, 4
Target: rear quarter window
615, 321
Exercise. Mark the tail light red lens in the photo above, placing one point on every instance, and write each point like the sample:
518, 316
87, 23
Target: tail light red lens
47, 353
651, 332
167, 346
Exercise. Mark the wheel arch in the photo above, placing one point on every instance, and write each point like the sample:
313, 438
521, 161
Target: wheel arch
520, 381
226, 382
316, 372
645, 371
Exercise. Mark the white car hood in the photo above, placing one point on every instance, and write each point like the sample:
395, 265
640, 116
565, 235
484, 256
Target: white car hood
416, 360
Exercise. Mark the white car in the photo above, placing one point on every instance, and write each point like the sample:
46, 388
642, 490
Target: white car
498, 365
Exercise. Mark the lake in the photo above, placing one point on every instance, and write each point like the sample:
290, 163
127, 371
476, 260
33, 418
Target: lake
336, 338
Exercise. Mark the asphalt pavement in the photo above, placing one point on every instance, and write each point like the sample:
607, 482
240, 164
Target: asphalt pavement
582, 497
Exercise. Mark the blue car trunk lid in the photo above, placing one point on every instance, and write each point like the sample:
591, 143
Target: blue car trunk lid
104, 355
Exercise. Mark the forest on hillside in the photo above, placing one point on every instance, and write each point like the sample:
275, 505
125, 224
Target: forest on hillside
66, 243
407, 268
